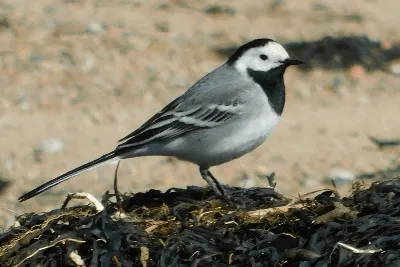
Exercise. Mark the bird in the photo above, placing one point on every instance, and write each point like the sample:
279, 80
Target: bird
226, 114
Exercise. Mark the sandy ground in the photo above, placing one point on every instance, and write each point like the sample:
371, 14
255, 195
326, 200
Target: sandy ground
86, 73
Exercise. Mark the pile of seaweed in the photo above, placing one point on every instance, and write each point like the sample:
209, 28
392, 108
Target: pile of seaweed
191, 227
338, 52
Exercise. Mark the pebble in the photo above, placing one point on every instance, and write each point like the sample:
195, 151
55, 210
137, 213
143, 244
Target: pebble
394, 67
51, 146
340, 176
356, 72
95, 28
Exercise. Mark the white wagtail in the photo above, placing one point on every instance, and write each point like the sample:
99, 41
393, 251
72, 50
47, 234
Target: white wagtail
226, 114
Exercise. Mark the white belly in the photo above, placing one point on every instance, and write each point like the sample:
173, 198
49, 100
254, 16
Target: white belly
244, 138
211, 147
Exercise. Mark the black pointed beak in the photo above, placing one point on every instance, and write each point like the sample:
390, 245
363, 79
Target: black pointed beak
290, 62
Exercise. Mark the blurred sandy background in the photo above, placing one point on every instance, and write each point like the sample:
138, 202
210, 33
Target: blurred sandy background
77, 75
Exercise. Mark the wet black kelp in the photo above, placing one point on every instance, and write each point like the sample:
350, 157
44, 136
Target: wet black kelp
190, 227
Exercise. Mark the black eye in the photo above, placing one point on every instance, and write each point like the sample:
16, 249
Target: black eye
263, 57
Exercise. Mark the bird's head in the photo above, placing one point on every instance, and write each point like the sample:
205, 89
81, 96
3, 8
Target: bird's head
262, 55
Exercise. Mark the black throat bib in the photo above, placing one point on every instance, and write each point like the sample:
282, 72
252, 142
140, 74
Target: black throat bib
273, 86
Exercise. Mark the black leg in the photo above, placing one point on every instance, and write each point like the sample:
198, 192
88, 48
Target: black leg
210, 179
116, 184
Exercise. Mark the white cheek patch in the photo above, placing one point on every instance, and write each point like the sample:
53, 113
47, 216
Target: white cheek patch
250, 60
253, 62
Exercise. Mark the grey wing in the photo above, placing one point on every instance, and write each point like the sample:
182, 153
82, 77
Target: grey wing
173, 123
157, 116
212, 101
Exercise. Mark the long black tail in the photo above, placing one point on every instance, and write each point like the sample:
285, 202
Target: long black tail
95, 163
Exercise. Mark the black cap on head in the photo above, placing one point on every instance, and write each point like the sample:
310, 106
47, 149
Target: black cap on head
252, 44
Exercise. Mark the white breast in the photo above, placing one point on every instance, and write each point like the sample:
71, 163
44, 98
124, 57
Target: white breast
214, 146
253, 132
245, 135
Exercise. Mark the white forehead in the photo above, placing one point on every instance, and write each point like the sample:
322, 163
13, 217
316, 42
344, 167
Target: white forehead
273, 49
275, 52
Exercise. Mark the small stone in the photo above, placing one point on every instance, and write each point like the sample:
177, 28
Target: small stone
8, 164
51, 146
364, 99
95, 28
394, 67
356, 72
386, 45
340, 176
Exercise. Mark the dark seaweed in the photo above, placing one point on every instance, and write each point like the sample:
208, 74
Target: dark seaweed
190, 227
